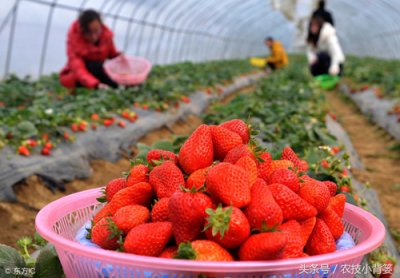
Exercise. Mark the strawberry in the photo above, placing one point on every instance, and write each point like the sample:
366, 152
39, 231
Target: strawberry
32, 143
307, 226
138, 173
316, 194
203, 250
332, 187
159, 213
66, 136
263, 210
264, 167
131, 216
303, 167
138, 194
148, 239
48, 145
289, 154
186, 211
325, 164
166, 179
105, 234
82, 126
229, 184
169, 252
239, 127
321, 240
264, 246
337, 203
122, 124
295, 245
145, 107
45, 151
95, 117
112, 188
285, 177
197, 179
292, 205
335, 149
74, 127
387, 269
108, 122
223, 141
197, 151
250, 167
227, 226
344, 188
157, 155
94, 126
237, 152
333, 221
267, 170
22, 150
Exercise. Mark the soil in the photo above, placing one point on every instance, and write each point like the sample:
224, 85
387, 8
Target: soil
18, 219
382, 165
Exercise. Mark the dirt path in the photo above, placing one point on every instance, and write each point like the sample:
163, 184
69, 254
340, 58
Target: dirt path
18, 219
382, 165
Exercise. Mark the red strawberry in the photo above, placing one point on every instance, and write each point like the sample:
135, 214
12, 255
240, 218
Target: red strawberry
203, 250
95, 117
148, 239
66, 135
122, 124
335, 149
82, 126
295, 245
333, 221
223, 140
263, 210
321, 240
22, 150
316, 194
159, 213
186, 211
166, 179
169, 252
264, 168
138, 194
105, 234
387, 269
131, 216
266, 171
197, 179
239, 127
197, 151
293, 207
238, 152
264, 246
289, 154
32, 143
227, 226
138, 173
303, 167
332, 187
157, 155
45, 151
108, 122
250, 167
337, 203
229, 184
307, 226
112, 188
344, 188
325, 164
285, 177
74, 127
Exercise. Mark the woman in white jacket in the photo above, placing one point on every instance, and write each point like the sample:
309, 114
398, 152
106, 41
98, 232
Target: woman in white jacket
325, 56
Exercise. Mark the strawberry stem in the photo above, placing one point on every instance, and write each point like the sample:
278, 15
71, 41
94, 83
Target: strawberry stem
218, 220
186, 251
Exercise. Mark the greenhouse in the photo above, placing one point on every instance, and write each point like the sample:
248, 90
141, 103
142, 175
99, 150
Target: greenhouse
155, 138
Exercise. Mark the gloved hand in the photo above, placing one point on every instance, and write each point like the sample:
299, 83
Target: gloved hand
334, 70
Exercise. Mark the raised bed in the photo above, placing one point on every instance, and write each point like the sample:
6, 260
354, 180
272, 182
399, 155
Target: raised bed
71, 161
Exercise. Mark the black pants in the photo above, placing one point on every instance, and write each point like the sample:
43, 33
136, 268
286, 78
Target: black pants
97, 70
322, 65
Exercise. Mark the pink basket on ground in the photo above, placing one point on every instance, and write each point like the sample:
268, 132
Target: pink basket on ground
59, 221
128, 70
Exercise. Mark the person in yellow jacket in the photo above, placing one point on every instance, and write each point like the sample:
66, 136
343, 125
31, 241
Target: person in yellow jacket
278, 58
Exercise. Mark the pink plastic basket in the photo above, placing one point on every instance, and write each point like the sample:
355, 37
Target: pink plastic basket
128, 70
60, 220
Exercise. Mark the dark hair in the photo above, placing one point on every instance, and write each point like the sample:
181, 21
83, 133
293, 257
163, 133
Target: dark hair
321, 5
269, 39
313, 38
86, 17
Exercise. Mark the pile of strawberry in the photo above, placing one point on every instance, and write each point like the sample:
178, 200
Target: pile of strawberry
221, 199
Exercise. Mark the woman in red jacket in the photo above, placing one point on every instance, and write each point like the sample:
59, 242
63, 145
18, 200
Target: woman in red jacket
89, 44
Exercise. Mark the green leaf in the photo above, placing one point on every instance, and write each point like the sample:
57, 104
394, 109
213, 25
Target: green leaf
350, 198
163, 145
48, 264
9, 259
